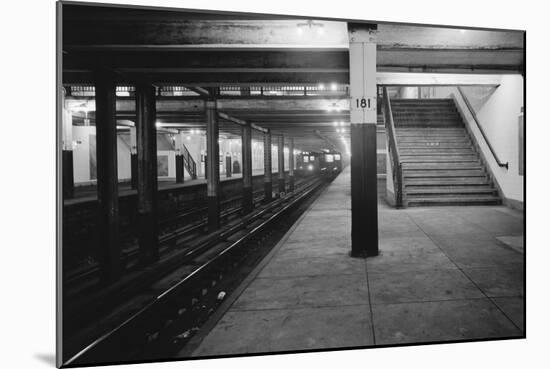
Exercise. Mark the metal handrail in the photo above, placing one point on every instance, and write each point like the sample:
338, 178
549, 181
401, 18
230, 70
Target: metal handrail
474, 115
189, 162
395, 160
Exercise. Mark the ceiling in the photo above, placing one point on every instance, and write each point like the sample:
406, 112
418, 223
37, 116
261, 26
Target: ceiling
197, 49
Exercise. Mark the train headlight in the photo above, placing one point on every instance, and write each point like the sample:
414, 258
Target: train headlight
310, 167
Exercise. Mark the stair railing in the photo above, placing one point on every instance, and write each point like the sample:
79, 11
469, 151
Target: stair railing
189, 162
396, 166
474, 115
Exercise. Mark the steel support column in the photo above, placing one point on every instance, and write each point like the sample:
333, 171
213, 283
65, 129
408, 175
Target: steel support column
108, 250
228, 164
247, 168
133, 157
67, 151
179, 158
281, 157
147, 186
212, 165
364, 202
291, 164
268, 176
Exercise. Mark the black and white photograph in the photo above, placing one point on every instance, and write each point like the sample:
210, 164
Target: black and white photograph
239, 184
236, 184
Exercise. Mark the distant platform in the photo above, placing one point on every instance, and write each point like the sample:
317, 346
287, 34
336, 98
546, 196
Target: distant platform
443, 275
89, 192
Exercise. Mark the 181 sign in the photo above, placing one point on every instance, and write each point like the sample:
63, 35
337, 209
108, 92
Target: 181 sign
364, 103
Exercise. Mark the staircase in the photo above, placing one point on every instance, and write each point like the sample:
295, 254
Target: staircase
439, 163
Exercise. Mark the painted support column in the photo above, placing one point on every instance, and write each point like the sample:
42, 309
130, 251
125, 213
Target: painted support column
281, 157
133, 157
67, 151
268, 181
147, 186
179, 158
228, 166
212, 164
364, 201
108, 248
291, 164
247, 168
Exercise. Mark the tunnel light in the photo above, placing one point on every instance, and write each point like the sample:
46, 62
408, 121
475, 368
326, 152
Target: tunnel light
333, 86
321, 86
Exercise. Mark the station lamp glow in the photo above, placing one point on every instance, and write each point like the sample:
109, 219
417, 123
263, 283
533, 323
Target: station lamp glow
321, 86
333, 86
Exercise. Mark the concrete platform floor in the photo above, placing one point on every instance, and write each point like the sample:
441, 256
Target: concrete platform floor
444, 274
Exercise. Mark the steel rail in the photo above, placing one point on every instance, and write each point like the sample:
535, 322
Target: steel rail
108, 338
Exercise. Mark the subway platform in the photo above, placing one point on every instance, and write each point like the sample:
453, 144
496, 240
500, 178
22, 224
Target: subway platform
443, 274
86, 193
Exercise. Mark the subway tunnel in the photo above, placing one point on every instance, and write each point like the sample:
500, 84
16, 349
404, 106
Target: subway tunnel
245, 184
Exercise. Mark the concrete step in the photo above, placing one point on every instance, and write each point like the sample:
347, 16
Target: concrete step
422, 140
430, 157
436, 150
442, 166
432, 130
435, 119
442, 173
450, 201
422, 102
451, 191
407, 142
451, 181
429, 115
438, 160
434, 145
423, 124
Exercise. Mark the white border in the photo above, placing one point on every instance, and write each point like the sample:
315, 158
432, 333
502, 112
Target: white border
27, 155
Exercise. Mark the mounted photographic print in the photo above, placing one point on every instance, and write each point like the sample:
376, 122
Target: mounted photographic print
240, 184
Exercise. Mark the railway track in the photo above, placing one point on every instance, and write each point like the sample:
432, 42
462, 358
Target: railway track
174, 229
176, 287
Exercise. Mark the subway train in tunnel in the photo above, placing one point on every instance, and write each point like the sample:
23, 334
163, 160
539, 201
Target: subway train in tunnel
326, 163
